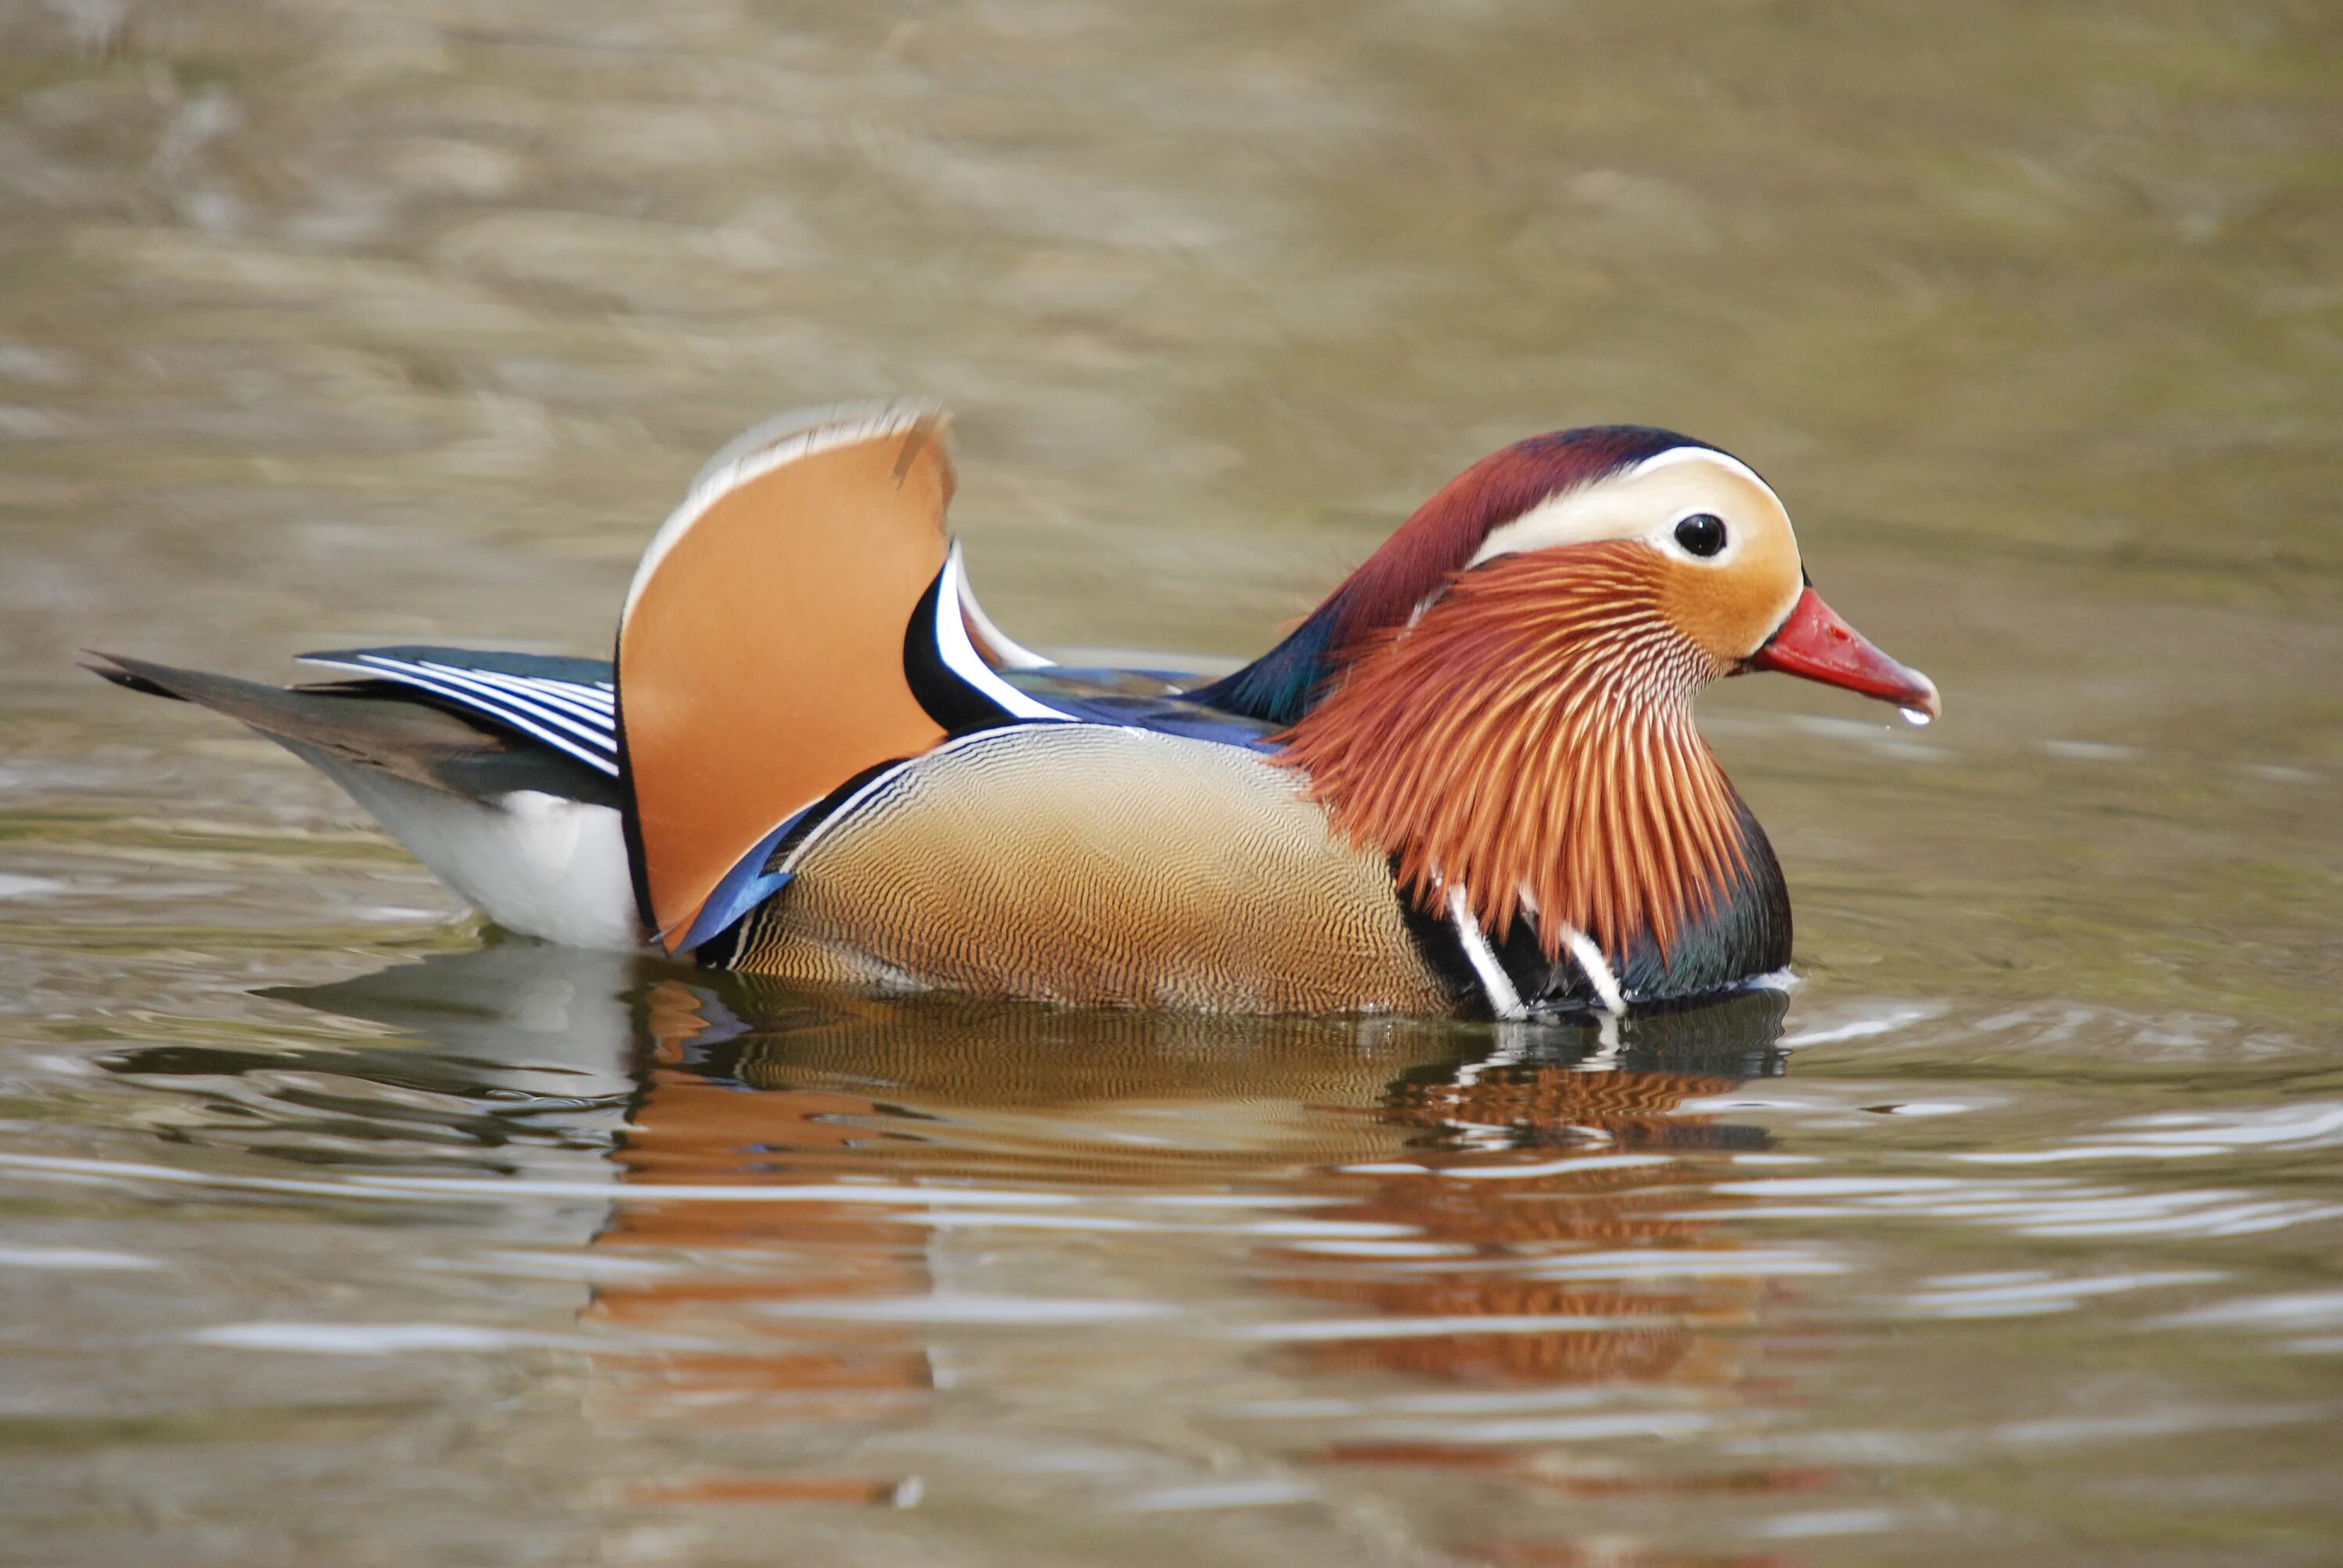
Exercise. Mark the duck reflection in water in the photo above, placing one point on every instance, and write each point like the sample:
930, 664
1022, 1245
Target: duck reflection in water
1485, 1160
1491, 1189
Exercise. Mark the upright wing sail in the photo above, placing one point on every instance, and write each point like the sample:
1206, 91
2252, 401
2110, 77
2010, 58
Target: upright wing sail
760, 652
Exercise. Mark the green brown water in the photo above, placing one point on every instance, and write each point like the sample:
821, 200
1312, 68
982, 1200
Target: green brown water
335, 1232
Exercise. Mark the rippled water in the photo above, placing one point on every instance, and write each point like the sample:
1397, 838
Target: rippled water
337, 1231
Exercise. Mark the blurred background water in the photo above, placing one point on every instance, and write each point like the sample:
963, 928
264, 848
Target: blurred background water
337, 1231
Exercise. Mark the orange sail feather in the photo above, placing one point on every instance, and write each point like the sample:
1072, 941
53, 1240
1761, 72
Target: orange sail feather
761, 656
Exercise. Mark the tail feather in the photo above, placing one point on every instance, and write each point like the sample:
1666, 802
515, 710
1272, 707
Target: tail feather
562, 702
529, 833
373, 725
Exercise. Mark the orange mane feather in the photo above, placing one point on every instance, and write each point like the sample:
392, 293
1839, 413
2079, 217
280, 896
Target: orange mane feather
1530, 739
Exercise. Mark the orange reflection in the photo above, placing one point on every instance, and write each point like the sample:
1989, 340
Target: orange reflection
1498, 1222
1429, 1174
785, 1101
691, 1131
960, 1093
1580, 1236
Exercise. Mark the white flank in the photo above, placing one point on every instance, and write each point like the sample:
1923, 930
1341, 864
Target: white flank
534, 863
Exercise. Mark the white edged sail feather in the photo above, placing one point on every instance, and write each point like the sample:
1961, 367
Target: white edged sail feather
760, 653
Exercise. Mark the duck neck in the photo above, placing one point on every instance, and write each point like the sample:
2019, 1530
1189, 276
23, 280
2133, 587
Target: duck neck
1530, 741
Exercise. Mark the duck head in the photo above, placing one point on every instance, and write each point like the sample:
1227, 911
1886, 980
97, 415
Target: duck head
1500, 698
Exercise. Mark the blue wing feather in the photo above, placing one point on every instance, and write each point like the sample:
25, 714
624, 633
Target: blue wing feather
1139, 700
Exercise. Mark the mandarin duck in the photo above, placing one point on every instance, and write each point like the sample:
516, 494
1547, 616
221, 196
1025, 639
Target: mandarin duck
1468, 783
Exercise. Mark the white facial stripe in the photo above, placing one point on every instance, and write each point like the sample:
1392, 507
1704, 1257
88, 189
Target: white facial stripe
1725, 460
1612, 508
1565, 519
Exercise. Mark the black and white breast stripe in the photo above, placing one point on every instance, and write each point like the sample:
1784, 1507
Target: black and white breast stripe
947, 675
574, 715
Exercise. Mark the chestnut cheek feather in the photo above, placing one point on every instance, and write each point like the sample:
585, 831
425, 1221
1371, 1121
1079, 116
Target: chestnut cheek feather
1727, 610
1534, 732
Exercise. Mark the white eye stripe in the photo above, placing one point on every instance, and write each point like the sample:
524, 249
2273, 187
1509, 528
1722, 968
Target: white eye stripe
1725, 460
1590, 512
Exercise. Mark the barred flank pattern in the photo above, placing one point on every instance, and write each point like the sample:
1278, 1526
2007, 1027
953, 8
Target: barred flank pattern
1534, 732
1100, 867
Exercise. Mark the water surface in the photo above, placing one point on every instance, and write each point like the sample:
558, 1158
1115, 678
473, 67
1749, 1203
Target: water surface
336, 1229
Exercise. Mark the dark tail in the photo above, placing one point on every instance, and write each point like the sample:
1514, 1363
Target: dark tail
372, 724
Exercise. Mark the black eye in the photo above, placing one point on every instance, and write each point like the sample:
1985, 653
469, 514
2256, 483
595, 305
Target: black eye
1702, 534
